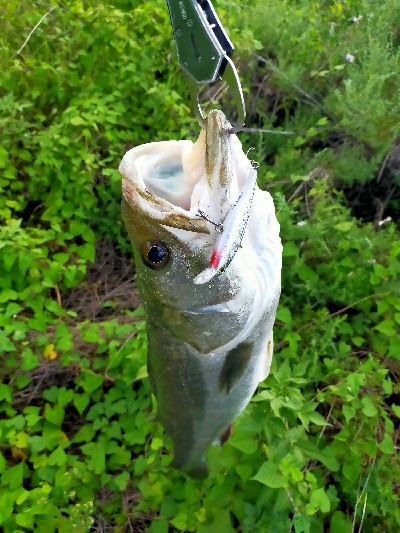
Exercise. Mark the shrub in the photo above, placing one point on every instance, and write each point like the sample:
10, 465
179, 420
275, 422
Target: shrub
80, 446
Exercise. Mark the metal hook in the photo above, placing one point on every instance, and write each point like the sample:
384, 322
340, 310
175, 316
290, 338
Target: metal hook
204, 51
231, 77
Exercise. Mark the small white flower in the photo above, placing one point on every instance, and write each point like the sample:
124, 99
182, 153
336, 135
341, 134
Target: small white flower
387, 219
357, 19
371, 260
350, 58
302, 223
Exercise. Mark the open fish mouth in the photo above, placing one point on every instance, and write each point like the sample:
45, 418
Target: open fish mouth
174, 182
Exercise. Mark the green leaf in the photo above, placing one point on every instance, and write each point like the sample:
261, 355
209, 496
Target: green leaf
349, 412
290, 249
5, 393
369, 408
37, 443
78, 121
57, 457
24, 520
370, 446
357, 341
8, 294
22, 381
97, 461
51, 394
302, 523
263, 395
299, 141
156, 443
387, 386
91, 381
340, 524
180, 521
355, 381
317, 419
306, 273
159, 526
221, 523
23, 495
311, 451
81, 401
320, 499
13, 476
244, 471
142, 373
85, 434
3, 463
3, 157
5, 343
55, 414
242, 443
13, 309
25, 155
29, 360
387, 446
122, 480
386, 327
61, 258
311, 132
65, 396
18, 422
351, 470
87, 251
284, 314
268, 475
77, 227
52, 434
344, 226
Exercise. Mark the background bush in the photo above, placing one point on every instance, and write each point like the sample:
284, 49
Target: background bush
80, 448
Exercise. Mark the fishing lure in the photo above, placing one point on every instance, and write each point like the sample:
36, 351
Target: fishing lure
208, 261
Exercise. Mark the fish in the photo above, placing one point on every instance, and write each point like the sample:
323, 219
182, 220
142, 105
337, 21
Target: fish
208, 259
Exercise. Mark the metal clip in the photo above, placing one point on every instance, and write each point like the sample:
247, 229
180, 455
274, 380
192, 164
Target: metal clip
204, 51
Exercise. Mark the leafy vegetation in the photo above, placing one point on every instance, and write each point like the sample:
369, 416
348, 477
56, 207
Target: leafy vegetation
80, 446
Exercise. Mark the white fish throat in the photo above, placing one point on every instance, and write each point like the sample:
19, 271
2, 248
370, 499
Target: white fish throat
208, 261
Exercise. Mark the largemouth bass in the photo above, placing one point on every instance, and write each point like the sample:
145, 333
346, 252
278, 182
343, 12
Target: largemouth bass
209, 328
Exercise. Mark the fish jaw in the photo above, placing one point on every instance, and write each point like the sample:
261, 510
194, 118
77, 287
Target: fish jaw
152, 197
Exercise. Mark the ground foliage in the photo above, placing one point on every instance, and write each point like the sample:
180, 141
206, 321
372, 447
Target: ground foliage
80, 447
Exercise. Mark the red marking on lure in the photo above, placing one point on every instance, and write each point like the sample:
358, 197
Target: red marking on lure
234, 227
215, 258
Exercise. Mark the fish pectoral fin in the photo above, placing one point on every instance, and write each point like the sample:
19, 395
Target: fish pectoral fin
224, 437
235, 365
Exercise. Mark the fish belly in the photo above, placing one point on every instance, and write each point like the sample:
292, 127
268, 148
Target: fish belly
199, 395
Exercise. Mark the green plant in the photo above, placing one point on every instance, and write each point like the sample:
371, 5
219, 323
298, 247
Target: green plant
80, 446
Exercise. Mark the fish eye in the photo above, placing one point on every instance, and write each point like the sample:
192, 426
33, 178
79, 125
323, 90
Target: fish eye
155, 255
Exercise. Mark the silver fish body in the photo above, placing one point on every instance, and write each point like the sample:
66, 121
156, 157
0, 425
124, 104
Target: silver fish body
209, 345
